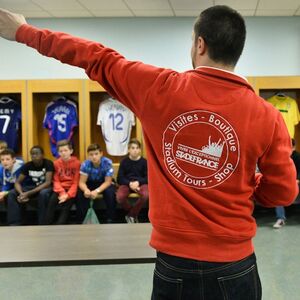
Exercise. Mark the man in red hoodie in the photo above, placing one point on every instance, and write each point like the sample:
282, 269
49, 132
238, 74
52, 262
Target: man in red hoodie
202, 154
65, 183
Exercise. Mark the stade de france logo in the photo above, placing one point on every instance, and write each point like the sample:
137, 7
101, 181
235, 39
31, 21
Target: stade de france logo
201, 149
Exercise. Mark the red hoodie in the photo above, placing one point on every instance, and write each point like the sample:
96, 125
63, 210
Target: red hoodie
205, 131
66, 176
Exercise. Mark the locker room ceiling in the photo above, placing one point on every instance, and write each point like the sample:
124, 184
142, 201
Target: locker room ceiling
145, 8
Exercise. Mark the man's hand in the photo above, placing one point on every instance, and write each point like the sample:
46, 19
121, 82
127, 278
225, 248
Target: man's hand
9, 24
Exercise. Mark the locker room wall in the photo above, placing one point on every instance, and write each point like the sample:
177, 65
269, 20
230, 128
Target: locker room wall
161, 41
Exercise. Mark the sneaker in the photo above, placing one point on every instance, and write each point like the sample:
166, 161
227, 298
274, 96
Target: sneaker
129, 219
279, 223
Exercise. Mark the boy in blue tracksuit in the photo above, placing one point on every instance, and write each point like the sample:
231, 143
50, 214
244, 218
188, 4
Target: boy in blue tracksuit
10, 169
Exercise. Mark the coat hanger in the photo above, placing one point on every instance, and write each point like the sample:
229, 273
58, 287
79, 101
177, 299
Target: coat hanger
5, 99
280, 94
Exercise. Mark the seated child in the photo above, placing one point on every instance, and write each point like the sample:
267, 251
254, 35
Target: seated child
65, 183
132, 177
33, 186
96, 178
10, 169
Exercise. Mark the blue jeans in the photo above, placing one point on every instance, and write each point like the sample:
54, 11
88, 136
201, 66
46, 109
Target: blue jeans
280, 212
177, 278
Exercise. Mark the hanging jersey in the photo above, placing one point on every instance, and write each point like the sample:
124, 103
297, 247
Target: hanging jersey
60, 120
289, 110
116, 121
10, 117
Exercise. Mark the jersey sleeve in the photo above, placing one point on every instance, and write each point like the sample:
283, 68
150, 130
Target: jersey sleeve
277, 185
84, 169
100, 114
109, 170
74, 116
46, 119
131, 82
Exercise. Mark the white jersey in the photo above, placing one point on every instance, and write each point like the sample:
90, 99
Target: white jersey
116, 121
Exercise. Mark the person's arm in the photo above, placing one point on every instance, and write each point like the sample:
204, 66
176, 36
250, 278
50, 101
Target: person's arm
121, 178
128, 81
277, 185
82, 182
107, 182
57, 187
74, 187
143, 178
42, 186
18, 182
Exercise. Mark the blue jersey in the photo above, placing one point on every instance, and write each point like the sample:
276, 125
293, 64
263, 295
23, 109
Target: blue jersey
97, 174
60, 120
10, 117
8, 178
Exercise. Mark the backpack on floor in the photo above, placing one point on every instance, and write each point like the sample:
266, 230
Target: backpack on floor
91, 217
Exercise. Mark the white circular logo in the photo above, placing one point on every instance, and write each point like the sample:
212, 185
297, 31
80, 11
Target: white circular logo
201, 149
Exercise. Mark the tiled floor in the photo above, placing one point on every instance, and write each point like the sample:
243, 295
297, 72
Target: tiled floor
278, 253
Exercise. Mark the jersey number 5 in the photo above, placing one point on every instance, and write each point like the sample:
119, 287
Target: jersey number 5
61, 122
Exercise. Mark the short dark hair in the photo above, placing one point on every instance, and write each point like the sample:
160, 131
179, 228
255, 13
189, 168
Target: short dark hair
8, 151
93, 147
64, 143
135, 142
224, 31
37, 147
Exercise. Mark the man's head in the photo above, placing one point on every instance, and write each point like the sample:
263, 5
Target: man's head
8, 158
134, 148
3, 145
64, 149
219, 36
37, 154
95, 153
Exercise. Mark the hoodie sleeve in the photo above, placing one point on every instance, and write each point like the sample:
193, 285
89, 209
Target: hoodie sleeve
277, 185
128, 81
57, 186
72, 192
144, 175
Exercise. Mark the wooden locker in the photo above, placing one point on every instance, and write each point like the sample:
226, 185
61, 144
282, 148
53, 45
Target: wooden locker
16, 89
39, 94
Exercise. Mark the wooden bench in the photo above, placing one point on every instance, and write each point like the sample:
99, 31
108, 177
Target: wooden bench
26, 246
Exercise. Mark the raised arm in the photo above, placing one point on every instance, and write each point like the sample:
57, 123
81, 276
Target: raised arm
130, 82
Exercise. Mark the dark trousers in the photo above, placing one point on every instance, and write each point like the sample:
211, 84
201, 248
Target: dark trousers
178, 278
15, 210
109, 197
122, 198
63, 208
